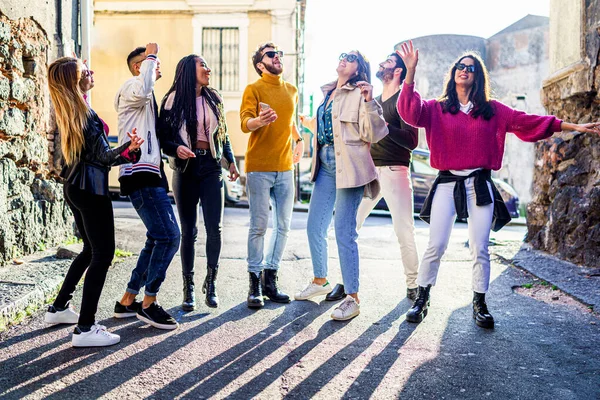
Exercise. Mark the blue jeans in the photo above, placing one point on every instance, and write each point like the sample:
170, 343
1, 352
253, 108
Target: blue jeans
325, 197
162, 239
278, 187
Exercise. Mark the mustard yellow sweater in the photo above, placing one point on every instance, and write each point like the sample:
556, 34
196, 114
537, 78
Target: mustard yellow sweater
269, 147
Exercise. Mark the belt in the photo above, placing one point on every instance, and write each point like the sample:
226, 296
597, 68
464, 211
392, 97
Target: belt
201, 152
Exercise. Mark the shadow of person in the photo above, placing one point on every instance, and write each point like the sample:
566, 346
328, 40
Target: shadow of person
241, 357
537, 350
115, 374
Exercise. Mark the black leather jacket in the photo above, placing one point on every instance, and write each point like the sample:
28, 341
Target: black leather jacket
90, 171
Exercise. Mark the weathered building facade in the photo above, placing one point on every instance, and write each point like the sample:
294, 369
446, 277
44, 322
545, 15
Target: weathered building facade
33, 212
564, 215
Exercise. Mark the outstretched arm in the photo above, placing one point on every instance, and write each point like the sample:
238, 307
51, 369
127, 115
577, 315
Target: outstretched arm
410, 56
593, 127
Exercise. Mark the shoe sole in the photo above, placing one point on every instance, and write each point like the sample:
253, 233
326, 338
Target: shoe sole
346, 318
311, 296
483, 324
419, 319
277, 301
59, 322
187, 308
125, 315
96, 345
156, 324
255, 305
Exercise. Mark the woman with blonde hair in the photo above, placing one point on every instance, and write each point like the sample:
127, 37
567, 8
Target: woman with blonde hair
87, 158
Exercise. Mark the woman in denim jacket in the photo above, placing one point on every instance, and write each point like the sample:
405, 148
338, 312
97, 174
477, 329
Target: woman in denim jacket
88, 157
193, 132
347, 122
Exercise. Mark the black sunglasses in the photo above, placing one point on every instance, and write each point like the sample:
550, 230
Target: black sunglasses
348, 57
468, 68
271, 54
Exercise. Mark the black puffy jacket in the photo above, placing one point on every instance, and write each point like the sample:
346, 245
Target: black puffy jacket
90, 171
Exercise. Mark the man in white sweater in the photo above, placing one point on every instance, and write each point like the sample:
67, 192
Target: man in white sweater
147, 187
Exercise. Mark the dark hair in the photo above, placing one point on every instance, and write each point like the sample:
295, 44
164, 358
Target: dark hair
184, 104
480, 94
399, 64
257, 56
364, 69
133, 54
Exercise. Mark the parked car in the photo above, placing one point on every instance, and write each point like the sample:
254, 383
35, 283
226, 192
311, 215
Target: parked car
423, 175
233, 190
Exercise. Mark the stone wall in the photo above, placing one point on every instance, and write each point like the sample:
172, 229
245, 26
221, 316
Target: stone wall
564, 215
33, 213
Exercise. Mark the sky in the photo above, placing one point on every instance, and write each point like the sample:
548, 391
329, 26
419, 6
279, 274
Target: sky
374, 26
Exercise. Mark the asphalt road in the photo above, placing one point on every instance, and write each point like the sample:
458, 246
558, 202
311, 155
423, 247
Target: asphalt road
538, 350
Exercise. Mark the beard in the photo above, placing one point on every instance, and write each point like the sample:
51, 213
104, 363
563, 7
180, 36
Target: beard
386, 74
273, 69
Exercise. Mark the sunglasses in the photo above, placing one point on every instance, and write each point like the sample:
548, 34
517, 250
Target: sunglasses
348, 57
272, 54
468, 68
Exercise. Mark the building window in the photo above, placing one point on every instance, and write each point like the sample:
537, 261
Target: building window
221, 50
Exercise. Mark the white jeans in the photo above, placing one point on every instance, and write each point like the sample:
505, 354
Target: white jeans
443, 215
396, 189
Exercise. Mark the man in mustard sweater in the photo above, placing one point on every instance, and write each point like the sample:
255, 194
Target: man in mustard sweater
267, 114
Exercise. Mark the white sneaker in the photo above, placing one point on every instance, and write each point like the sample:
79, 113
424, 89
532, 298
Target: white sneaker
98, 336
67, 316
347, 309
313, 290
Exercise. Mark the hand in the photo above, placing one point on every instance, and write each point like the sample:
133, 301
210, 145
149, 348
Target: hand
151, 48
298, 152
409, 55
366, 89
136, 141
233, 172
593, 127
184, 153
267, 116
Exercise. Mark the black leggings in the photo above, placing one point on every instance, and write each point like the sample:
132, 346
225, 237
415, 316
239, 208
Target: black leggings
95, 221
202, 182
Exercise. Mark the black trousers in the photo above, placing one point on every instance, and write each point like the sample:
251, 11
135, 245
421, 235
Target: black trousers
200, 184
95, 221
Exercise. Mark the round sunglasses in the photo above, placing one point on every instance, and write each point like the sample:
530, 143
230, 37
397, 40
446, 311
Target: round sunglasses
272, 54
468, 68
348, 57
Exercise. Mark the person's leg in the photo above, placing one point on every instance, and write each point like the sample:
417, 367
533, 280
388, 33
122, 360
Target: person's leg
186, 190
320, 213
479, 225
258, 185
212, 201
282, 203
367, 204
397, 192
443, 215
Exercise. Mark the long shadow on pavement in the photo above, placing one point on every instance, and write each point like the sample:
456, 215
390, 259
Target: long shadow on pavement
114, 374
325, 373
537, 350
245, 355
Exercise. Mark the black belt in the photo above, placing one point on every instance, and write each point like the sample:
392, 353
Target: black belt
201, 152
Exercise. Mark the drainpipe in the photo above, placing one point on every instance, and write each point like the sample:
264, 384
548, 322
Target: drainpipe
87, 15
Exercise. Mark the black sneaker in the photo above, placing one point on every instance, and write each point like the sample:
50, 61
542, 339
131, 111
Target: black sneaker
156, 316
122, 311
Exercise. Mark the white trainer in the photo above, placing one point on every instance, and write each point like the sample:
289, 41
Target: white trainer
313, 290
67, 316
347, 309
98, 336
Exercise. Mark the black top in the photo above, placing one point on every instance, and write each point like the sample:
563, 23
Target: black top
396, 148
142, 179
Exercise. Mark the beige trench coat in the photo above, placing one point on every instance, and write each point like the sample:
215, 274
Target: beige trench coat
356, 124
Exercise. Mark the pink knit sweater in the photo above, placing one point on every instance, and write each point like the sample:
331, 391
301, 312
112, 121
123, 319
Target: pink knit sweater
460, 141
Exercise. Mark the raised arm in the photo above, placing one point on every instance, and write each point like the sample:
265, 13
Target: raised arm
411, 107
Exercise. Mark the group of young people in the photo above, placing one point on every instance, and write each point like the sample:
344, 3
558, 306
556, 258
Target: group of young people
362, 151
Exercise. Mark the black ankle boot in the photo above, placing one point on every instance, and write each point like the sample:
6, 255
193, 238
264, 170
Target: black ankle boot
482, 316
255, 296
209, 286
270, 289
420, 306
189, 298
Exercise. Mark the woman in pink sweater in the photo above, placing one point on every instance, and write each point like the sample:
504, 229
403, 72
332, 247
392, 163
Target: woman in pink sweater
465, 132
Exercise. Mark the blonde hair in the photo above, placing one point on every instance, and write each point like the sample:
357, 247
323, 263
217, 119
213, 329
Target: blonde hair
72, 112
